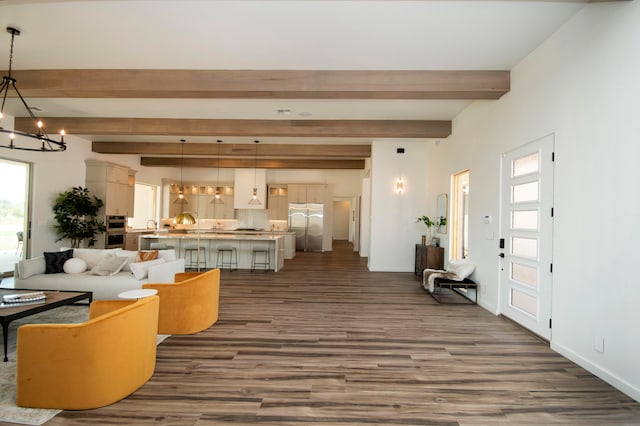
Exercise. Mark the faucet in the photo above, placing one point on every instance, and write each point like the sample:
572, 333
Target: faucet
153, 224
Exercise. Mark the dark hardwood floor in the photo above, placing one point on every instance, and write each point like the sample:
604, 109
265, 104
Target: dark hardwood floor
325, 342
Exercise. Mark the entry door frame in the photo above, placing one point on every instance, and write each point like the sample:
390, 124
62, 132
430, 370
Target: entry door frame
526, 264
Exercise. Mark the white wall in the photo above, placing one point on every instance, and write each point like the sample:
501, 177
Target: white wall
394, 231
341, 218
581, 85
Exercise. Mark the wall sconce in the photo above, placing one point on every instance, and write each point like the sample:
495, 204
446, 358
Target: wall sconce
399, 186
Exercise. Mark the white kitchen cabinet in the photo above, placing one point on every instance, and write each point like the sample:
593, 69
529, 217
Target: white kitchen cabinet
277, 203
245, 181
317, 193
110, 183
297, 192
307, 193
131, 192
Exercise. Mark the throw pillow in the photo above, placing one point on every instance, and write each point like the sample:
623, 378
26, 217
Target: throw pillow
29, 267
130, 255
75, 265
109, 266
168, 255
54, 261
93, 256
146, 255
140, 270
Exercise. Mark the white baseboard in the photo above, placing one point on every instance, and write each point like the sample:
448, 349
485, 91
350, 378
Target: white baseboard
602, 373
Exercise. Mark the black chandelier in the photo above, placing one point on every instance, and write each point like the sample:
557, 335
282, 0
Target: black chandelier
23, 140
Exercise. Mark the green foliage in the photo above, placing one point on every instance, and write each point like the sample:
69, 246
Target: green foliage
440, 221
11, 212
77, 215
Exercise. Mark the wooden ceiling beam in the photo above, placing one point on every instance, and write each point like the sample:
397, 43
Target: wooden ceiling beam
248, 163
263, 84
251, 128
229, 150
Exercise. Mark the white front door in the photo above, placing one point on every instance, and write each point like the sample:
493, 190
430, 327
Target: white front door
527, 233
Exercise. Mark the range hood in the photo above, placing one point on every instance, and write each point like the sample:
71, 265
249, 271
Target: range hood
245, 181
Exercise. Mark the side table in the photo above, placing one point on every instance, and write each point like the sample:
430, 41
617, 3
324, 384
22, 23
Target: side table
137, 294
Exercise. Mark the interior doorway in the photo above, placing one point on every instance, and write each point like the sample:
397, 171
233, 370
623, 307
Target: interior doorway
341, 209
14, 214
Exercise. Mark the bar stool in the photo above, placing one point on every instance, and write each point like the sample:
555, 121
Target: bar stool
227, 256
265, 259
197, 251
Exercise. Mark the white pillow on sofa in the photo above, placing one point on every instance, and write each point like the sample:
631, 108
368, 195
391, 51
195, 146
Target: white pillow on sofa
461, 268
168, 255
108, 266
130, 255
29, 267
75, 265
91, 256
140, 270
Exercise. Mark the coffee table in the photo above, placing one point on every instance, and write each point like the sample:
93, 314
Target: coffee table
53, 300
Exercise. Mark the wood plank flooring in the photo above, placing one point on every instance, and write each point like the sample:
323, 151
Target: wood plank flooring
325, 342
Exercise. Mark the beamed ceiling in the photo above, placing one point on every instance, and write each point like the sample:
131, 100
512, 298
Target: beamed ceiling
315, 82
309, 85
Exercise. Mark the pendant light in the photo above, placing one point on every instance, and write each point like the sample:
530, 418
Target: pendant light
217, 198
23, 140
254, 194
182, 218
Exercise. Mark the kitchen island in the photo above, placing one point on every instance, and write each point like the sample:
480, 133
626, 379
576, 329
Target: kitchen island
211, 241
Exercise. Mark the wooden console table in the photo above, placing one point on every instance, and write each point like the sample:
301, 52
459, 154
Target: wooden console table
431, 257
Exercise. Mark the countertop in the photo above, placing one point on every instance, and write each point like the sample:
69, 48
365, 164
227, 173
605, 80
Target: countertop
213, 236
228, 231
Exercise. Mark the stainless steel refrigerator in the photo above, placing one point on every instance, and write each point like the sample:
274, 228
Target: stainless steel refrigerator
306, 220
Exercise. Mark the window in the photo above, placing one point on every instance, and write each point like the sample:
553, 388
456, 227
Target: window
14, 217
145, 206
460, 216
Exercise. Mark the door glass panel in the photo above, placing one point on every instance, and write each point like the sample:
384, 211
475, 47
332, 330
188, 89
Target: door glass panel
524, 301
524, 192
524, 247
524, 219
524, 274
525, 165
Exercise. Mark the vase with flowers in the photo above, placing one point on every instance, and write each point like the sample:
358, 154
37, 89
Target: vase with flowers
432, 225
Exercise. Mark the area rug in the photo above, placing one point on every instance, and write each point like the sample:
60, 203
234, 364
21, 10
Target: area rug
9, 412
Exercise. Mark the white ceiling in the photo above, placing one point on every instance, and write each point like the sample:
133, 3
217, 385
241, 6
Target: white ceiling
256, 35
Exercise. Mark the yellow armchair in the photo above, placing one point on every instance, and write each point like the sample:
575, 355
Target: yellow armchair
190, 304
88, 365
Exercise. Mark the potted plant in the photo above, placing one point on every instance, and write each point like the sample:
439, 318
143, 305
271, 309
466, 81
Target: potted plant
77, 215
432, 225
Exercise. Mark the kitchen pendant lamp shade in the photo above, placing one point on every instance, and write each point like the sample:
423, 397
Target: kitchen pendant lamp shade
217, 198
180, 199
182, 218
254, 198
38, 140
254, 201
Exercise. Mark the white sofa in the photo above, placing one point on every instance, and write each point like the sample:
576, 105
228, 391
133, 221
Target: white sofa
30, 273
